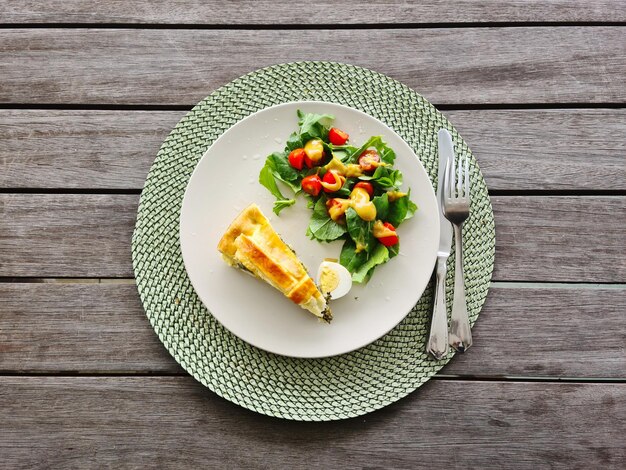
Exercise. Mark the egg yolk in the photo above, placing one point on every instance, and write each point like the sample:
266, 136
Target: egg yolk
329, 279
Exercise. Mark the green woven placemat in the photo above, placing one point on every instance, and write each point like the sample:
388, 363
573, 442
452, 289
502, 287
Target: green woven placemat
303, 389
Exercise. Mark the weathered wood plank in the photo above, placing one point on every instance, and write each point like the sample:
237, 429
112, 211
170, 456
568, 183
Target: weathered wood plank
560, 149
537, 238
78, 327
90, 422
548, 331
80, 149
266, 12
560, 239
66, 235
545, 331
557, 149
482, 65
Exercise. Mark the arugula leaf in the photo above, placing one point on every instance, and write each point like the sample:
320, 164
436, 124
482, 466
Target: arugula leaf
385, 178
266, 178
412, 209
278, 162
371, 142
386, 153
400, 210
294, 141
342, 152
393, 250
359, 264
359, 230
321, 226
279, 205
379, 255
344, 192
397, 211
382, 206
314, 126
349, 258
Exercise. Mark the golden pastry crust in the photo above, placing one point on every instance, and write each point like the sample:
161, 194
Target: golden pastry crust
250, 243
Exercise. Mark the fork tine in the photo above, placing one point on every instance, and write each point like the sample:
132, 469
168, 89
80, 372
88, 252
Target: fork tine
467, 177
459, 178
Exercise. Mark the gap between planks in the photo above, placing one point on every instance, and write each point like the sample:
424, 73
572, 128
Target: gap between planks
440, 106
317, 26
495, 192
500, 284
442, 377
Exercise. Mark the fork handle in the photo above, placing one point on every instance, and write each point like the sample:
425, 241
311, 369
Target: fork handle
438, 338
460, 332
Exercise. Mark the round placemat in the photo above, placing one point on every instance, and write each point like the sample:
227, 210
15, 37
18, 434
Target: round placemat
303, 389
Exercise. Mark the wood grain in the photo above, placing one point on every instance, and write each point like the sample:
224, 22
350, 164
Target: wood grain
560, 239
554, 149
519, 150
66, 235
78, 327
540, 331
180, 67
548, 331
174, 422
80, 149
265, 12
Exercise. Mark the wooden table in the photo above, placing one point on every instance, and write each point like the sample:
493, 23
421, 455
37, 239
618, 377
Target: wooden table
89, 90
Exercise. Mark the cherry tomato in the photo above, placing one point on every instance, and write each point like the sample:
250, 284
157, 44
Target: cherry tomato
314, 150
332, 181
368, 160
391, 239
337, 136
337, 208
296, 158
367, 186
312, 184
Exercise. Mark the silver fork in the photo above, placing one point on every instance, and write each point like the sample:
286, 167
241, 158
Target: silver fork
456, 204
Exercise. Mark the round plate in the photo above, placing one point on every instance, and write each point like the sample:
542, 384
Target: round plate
226, 181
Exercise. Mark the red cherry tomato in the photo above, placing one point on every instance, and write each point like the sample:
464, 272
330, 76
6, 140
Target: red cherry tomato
391, 239
337, 136
368, 160
336, 208
312, 184
367, 186
308, 162
314, 150
332, 182
296, 158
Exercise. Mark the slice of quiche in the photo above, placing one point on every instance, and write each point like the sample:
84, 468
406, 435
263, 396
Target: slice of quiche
251, 244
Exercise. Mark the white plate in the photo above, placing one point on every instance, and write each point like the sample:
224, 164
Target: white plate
226, 181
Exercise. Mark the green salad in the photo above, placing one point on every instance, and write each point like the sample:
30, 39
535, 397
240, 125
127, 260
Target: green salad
354, 191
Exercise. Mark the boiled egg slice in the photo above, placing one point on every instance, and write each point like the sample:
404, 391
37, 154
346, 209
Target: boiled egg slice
333, 278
